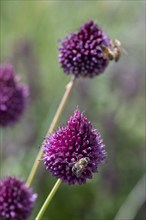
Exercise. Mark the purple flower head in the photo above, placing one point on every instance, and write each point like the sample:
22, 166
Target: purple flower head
13, 96
81, 53
73, 153
16, 199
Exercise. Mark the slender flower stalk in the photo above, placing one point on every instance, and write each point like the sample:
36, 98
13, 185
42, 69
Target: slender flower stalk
48, 200
56, 118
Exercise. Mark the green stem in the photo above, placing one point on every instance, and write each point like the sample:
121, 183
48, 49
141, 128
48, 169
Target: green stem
48, 200
56, 118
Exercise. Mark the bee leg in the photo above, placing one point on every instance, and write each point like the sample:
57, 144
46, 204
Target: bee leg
110, 55
117, 59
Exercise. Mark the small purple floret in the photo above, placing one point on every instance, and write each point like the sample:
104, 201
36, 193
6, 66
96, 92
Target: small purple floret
13, 96
65, 147
16, 199
81, 53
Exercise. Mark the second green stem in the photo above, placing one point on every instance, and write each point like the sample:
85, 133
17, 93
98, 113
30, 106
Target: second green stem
48, 200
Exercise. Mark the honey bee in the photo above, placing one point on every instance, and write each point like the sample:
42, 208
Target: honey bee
113, 52
80, 165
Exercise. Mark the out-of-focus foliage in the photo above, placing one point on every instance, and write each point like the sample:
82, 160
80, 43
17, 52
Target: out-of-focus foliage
114, 101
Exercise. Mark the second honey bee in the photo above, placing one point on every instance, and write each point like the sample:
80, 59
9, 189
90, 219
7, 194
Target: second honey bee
113, 52
80, 165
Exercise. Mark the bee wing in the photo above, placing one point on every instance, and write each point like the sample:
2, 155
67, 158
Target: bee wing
71, 164
78, 173
124, 51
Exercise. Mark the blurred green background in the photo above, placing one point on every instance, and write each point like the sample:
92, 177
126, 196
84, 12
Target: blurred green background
114, 102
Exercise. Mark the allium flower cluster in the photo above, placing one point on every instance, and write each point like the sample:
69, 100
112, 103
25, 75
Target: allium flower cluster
73, 153
13, 96
16, 199
81, 53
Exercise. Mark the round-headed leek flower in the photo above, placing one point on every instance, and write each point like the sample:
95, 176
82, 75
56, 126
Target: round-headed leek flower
73, 153
81, 53
16, 199
13, 96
